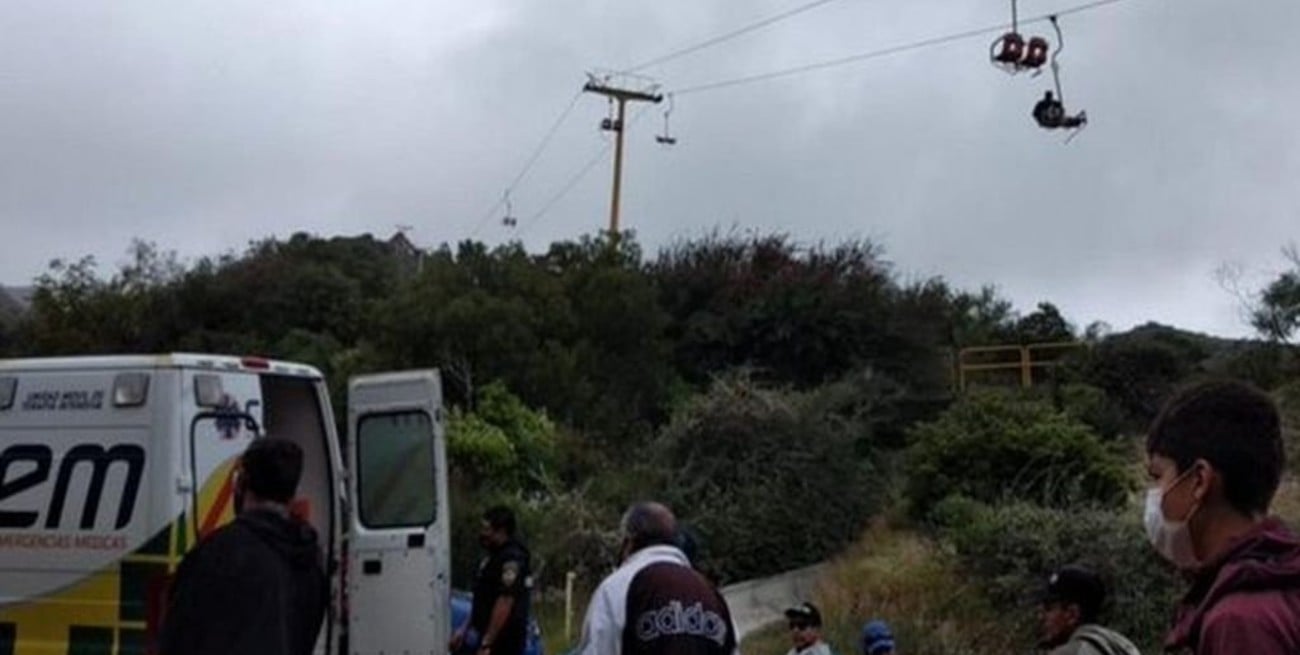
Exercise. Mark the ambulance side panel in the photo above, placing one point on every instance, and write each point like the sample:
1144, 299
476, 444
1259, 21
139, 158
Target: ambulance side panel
99, 503
89, 506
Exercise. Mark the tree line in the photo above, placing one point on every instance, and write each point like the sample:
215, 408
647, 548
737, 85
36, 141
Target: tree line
782, 382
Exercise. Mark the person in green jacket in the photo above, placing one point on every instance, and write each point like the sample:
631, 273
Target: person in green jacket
1071, 610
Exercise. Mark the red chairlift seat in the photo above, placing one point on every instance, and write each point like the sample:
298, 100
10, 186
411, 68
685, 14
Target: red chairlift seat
1009, 49
1036, 53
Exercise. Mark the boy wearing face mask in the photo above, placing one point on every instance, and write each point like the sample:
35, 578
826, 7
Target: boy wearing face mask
1215, 458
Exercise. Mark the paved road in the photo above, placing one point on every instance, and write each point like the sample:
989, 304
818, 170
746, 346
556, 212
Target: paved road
756, 603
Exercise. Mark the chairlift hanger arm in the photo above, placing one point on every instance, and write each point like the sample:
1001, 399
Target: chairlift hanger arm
1060, 38
1056, 66
621, 94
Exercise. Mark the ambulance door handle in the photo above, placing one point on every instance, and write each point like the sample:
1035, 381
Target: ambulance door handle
372, 567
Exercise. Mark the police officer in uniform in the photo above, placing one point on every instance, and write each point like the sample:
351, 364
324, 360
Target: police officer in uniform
499, 616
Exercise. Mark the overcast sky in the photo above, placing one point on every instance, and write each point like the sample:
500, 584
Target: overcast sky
203, 125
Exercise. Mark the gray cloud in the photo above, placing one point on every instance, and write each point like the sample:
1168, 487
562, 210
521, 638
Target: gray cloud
203, 126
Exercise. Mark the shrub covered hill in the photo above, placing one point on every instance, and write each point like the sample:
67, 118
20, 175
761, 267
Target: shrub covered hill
781, 397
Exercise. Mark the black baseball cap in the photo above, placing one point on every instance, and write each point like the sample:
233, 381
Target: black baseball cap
1078, 585
806, 612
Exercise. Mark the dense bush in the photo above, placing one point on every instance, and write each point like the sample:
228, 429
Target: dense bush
1093, 407
1266, 365
501, 453
1288, 400
1012, 548
503, 443
1140, 369
993, 446
564, 532
772, 480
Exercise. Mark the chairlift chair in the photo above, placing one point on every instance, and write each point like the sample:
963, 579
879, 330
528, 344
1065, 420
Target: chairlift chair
1008, 49
509, 220
666, 138
1050, 112
609, 123
1013, 54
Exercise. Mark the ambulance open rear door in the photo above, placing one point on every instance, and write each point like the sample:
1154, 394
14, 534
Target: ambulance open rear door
399, 546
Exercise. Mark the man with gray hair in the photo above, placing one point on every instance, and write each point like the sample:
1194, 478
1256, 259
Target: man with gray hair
655, 603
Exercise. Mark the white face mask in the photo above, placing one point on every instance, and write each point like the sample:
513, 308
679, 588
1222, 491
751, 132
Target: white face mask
1172, 539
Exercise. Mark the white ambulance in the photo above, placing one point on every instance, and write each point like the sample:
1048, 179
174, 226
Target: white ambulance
112, 467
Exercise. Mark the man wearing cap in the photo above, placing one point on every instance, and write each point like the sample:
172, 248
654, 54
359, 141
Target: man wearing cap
877, 638
1071, 609
806, 630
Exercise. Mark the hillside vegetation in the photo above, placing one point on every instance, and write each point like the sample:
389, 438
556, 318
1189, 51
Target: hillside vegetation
781, 397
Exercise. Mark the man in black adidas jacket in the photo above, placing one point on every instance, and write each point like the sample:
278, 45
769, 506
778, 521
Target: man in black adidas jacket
656, 603
255, 586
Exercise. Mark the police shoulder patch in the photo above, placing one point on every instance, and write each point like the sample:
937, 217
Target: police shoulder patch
509, 574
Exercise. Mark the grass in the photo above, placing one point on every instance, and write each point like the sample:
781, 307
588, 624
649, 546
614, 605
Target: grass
549, 612
916, 586
895, 575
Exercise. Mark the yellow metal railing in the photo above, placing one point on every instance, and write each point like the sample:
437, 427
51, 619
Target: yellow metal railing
1025, 362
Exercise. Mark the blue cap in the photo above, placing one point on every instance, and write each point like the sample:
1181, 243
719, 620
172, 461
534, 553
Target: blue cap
877, 638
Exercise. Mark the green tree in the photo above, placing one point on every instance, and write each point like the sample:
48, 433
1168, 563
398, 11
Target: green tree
250, 302
576, 330
1044, 325
619, 342
1277, 313
980, 319
503, 443
501, 451
7, 338
793, 315
76, 310
482, 315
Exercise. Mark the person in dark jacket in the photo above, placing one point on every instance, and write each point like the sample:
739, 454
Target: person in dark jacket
502, 590
1215, 457
255, 586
